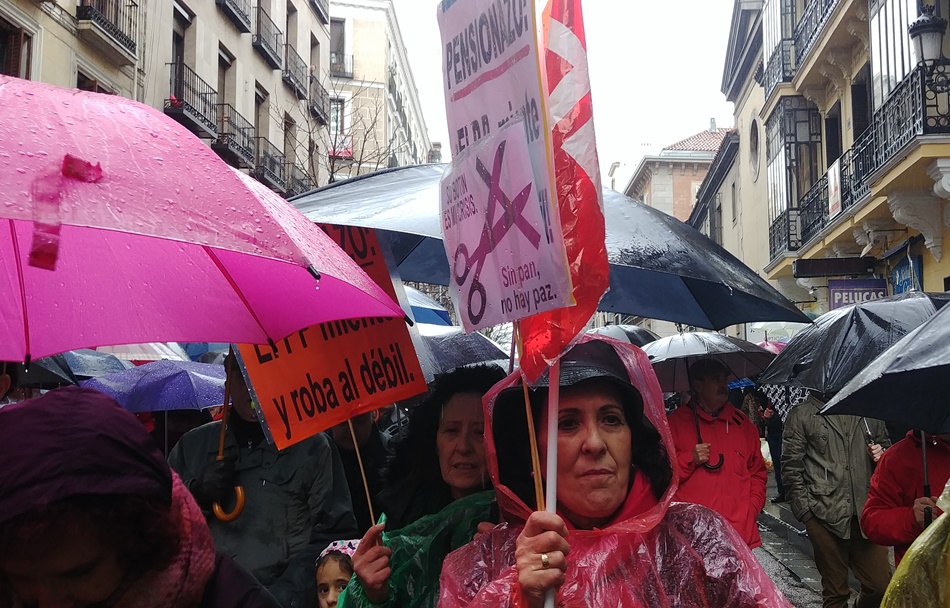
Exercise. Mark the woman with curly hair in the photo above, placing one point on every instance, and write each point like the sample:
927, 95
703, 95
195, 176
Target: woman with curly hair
91, 515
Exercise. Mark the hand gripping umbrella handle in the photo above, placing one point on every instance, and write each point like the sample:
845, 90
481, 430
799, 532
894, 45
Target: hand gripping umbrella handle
699, 438
219, 511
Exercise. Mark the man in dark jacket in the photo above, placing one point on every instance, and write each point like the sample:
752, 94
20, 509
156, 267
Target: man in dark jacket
296, 499
827, 465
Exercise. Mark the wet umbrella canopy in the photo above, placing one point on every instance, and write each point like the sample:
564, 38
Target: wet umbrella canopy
671, 357
634, 334
843, 342
908, 384
69, 368
447, 348
119, 226
164, 385
660, 267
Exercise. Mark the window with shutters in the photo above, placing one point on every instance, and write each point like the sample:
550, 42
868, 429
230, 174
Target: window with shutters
16, 46
85, 83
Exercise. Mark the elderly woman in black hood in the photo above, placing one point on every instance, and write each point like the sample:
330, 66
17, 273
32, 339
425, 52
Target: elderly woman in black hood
91, 515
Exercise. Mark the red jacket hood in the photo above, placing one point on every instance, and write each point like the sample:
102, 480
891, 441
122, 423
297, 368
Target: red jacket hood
641, 511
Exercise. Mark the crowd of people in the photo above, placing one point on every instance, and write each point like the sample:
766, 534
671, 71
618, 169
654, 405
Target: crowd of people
652, 508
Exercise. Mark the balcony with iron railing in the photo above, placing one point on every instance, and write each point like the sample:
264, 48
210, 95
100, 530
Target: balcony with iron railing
813, 21
779, 68
322, 8
920, 105
109, 26
341, 65
270, 167
813, 209
295, 72
236, 141
239, 12
298, 180
784, 234
192, 101
268, 39
319, 102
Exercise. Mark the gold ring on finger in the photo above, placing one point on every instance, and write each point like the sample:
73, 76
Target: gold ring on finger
545, 563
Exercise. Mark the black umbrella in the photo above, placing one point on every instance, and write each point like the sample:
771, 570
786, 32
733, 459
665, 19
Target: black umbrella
907, 384
828, 354
671, 357
660, 267
634, 334
69, 368
447, 348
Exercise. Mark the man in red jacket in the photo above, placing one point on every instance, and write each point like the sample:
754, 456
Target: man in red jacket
710, 432
894, 512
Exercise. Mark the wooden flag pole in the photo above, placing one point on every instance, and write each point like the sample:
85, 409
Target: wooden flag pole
359, 460
532, 434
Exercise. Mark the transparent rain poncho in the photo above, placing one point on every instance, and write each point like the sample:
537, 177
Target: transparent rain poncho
676, 554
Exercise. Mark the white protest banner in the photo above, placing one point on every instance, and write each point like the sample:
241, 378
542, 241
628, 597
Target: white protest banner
492, 228
492, 73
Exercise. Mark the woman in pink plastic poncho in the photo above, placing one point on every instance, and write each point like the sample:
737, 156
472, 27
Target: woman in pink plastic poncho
617, 539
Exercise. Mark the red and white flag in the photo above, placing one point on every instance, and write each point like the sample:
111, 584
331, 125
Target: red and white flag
577, 180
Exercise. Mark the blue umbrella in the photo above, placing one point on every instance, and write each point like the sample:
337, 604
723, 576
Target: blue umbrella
164, 385
425, 309
69, 368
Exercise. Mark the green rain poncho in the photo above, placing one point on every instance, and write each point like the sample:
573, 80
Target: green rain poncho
922, 579
419, 550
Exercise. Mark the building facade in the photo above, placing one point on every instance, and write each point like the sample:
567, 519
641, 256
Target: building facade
669, 181
376, 120
243, 75
858, 144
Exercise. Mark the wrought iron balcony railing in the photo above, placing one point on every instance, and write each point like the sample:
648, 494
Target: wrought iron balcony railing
116, 17
784, 234
341, 66
813, 209
270, 167
268, 39
862, 162
238, 11
319, 102
295, 72
779, 68
298, 181
192, 101
322, 8
236, 141
814, 19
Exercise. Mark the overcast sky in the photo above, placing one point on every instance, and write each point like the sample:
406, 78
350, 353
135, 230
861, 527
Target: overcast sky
655, 67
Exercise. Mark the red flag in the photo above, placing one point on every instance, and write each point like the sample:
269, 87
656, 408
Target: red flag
577, 178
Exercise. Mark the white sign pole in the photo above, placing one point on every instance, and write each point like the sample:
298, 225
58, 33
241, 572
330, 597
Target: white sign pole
550, 497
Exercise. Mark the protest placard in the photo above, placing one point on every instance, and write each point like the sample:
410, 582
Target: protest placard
492, 80
323, 375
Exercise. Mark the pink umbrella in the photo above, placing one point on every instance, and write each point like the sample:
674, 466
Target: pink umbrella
772, 347
117, 226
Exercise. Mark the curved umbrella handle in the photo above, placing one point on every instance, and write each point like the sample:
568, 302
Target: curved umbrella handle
713, 467
223, 515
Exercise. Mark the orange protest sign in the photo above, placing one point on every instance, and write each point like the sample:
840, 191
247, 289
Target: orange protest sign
325, 374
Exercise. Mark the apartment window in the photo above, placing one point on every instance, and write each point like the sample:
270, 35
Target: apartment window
734, 203
717, 227
892, 54
290, 139
291, 26
16, 48
338, 36
85, 83
793, 153
261, 112
315, 57
778, 23
336, 116
226, 84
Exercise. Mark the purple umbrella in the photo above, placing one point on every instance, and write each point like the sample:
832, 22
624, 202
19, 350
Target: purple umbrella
163, 386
